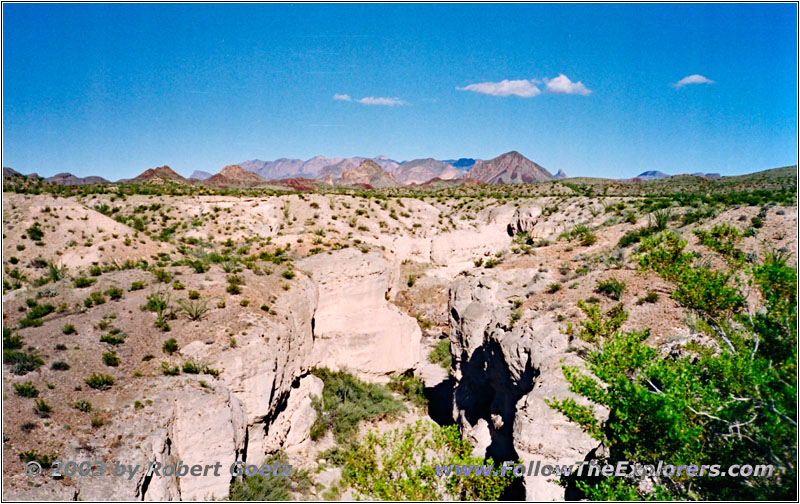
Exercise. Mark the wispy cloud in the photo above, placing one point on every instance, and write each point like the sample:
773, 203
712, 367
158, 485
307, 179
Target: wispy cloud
371, 100
523, 88
387, 102
563, 85
527, 88
693, 79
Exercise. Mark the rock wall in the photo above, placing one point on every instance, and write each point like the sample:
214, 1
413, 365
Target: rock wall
503, 375
259, 404
354, 325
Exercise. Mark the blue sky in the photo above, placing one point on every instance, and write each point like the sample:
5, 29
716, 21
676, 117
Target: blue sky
591, 89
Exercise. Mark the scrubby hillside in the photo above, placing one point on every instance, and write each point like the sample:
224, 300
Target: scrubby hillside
341, 329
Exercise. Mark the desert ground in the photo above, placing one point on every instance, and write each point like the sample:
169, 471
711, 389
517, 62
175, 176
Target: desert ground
206, 327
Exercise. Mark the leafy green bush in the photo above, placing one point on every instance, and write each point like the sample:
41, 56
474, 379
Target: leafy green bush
35, 232
24, 362
440, 354
396, 466
712, 404
271, 488
137, 285
168, 370
554, 287
612, 288
346, 401
27, 389
113, 339
111, 359
60, 366
42, 409
114, 293
68, 329
100, 381
170, 346
82, 282
83, 405
410, 387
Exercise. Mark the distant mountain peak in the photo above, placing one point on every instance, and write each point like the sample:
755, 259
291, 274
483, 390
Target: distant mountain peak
200, 175
509, 168
561, 175
161, 173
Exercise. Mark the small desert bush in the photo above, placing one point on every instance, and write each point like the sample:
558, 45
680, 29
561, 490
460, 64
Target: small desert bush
612, 288
27, 389
440, 354
100, 381
346, 401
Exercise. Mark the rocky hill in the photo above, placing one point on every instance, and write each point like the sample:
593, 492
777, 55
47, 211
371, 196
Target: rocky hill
159, 175
234, 176
368, 174
509, 168
420, 171
70, 179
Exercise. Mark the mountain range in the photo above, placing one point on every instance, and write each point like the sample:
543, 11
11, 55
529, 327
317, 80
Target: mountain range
380, 171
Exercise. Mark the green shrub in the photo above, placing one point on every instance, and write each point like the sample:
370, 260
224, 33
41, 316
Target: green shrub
27, 389
100, 381
410, 387
82, 282
111, 359
113, 339
440, 354
46, 461
168, 370
192, 367
709, 404
195, 309
83, 405
395, 466
24, 362
35, 232
588, 238
612, 288
138, 285
60, 366
68, 329
269, 488
42, 409
114, 293
170, 346
554, 287
346, 401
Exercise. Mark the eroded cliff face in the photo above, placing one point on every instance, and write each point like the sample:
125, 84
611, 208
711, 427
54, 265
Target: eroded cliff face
503, 374
355, 326
259, 404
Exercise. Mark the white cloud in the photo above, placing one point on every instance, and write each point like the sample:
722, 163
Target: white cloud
523, 88
371, 100
563, 85
387, 102
693, 79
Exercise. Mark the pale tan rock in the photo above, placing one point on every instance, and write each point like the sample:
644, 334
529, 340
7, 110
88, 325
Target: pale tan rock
355, 327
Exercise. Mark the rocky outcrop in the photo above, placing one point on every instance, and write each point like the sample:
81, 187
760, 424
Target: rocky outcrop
459, 248
260, 403
354, 326
503, 375
531, 220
